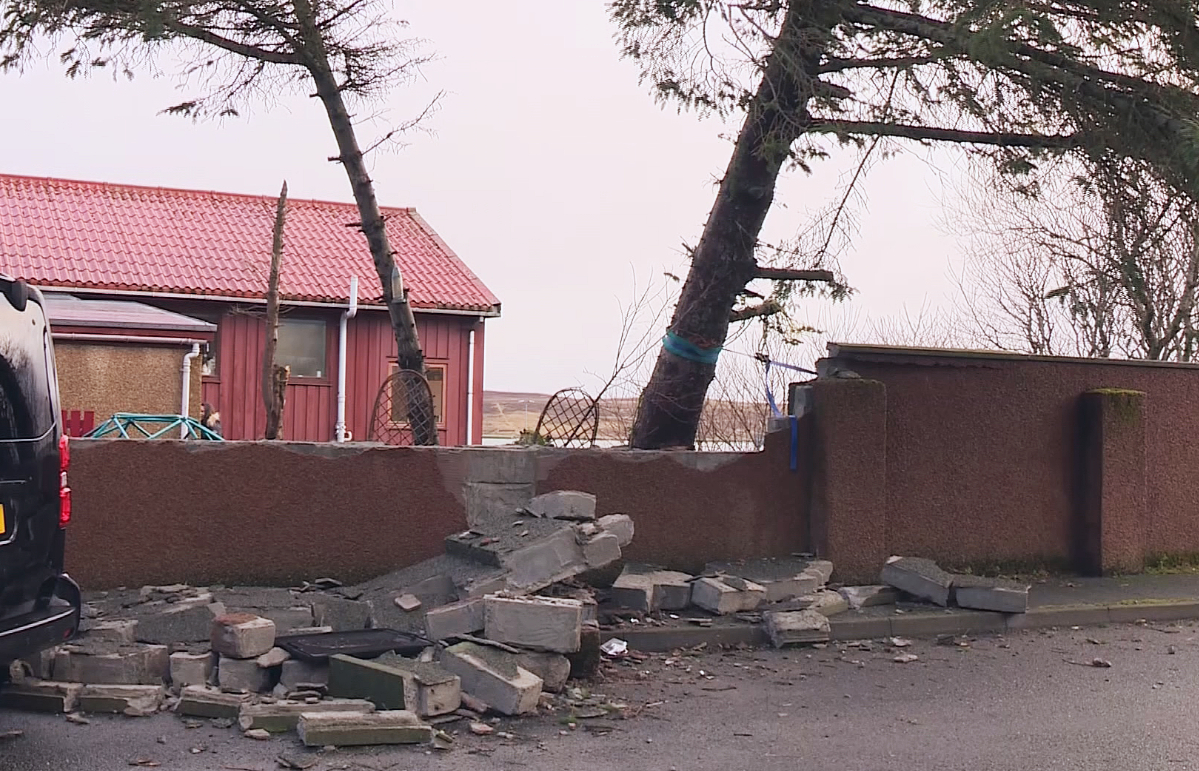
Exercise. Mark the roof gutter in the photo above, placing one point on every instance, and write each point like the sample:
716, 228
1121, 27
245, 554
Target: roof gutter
491, 313
146, 339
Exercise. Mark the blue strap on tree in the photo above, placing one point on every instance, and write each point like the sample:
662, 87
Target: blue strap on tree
685, 349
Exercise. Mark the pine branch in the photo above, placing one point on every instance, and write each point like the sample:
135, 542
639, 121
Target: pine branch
900, 62
232, 46
790, 274
768, 308
934, 133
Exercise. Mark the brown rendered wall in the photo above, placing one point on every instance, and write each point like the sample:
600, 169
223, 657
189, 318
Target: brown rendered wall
277, 513
983, 453
124, 377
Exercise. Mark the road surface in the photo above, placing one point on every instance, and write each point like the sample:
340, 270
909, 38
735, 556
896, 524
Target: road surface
1026, 702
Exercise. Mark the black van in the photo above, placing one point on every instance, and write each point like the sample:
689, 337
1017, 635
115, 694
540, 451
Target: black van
39, 604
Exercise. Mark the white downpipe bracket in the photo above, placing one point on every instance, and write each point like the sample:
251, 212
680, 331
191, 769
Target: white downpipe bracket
185, 405
339, 429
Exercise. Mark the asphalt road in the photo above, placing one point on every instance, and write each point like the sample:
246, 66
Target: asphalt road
1027, 702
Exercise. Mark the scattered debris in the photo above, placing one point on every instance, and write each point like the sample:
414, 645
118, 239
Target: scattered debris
906, 658
614, 647
919, 577
408, 602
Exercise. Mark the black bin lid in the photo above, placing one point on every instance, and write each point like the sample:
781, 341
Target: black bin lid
359, 643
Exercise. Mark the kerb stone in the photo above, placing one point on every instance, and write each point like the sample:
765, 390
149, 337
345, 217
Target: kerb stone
869, 596
115, 665
918, 577
131, 700
990, 594
601, 549
727, 594
242, 675
189, 620
494, 676
191, 668
297, 675
283, 716
122, 631
198, 701
348, 729
540, 623
644, 588
40, 696
393, 682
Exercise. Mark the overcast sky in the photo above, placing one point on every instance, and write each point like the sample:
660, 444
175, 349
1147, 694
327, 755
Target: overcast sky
549, 170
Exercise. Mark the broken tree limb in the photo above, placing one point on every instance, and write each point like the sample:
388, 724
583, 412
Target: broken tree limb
793, 274
768, 308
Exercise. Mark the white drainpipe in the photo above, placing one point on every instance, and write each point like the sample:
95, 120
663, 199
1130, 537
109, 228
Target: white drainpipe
470, 387
187, 385
339, 429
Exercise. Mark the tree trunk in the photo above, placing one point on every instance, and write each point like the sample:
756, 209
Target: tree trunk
271, 399
722, 264
408, 351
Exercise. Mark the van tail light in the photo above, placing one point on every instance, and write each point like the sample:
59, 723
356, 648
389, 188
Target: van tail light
64, 491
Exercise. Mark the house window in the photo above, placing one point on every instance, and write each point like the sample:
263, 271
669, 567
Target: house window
435, 374
208, 366
302, 347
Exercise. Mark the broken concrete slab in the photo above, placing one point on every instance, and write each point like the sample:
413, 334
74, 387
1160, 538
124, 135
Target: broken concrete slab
784, 578
796, 627
994, 594
408, 602
131, 700
109, 664
242, 675
273, 658
552, 668
563, 504
620, 525
191, 668
189, 620
199, 701
539, 623
727, 594
601, 549
869, 596
494, 676
348, 729
649, 589
41, 664
918, 577
824, 568
122, 631
297, 675
585, 664
33, 695
340, 613
242, 636
393, 682
827, 603
457, 618
283, 716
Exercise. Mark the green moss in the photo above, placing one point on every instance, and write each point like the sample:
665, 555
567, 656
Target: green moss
1125, 403
1032, 568
1171, 564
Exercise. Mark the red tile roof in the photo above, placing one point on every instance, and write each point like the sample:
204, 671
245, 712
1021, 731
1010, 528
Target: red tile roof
91, 235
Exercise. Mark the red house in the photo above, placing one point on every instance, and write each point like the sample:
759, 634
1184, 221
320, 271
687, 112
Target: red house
206, 256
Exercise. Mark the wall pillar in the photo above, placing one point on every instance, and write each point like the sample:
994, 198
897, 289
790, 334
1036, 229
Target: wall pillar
1113, 498
849, 475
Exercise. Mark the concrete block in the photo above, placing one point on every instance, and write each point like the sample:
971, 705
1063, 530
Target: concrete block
40, 696
113, 665
797, 627
540, 623
191, 668
990, 594
823, 568
601, 549
41, 664
273, 658
621, 525
503, 465
242, 636
727, 594
198, 701
131, 700
643, 588
347, 729
283, 716
548, 560
494, 676
868, 596
393, 682
341, 614
552, 668
407, 602
302, 675
563, 504
121, 631
918, 577
463, 617
242, 675
289, 620
189, 620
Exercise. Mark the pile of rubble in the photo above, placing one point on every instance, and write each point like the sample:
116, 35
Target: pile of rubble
482, 640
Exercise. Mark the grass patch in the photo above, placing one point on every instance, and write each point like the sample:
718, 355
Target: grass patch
1173, 564
1017, 569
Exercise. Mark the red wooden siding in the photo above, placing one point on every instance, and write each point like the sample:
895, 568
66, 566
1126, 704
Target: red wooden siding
311, 408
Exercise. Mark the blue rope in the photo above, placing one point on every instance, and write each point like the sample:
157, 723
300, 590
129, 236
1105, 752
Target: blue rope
688, 350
